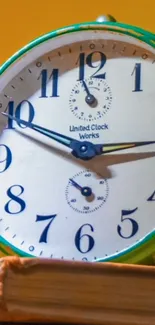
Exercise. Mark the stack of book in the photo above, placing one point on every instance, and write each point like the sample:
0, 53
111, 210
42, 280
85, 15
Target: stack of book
53, 291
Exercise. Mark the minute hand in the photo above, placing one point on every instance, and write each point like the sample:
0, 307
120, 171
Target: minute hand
65, 140
80, 149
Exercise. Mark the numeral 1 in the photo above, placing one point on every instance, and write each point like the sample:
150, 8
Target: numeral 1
44, 81
152, 197
137, 74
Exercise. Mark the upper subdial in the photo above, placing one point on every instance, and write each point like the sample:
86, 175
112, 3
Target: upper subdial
90, 99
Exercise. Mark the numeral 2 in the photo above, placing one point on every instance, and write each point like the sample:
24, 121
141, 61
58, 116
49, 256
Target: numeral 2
89, 61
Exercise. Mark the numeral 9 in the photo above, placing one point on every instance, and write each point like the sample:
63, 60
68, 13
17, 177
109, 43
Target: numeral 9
8, 158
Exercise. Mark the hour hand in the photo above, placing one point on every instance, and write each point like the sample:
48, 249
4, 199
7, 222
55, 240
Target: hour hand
107, 147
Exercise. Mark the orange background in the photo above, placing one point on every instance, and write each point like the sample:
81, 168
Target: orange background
23, 20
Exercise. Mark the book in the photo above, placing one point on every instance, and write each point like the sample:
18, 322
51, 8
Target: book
68, 292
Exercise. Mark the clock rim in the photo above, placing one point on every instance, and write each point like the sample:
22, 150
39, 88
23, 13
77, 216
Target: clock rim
121, 28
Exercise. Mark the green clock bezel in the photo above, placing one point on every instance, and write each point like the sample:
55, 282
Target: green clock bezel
142, 252
136, 32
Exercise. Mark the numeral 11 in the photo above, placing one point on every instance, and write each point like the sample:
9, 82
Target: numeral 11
54, 84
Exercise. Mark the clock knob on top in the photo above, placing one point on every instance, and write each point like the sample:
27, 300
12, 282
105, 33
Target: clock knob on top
105, 18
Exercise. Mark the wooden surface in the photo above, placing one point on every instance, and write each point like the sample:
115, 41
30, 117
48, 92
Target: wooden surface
22, 21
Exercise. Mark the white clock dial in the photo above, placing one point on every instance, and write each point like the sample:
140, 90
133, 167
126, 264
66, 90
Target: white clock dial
44, 162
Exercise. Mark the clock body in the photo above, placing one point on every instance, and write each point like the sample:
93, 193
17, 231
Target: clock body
77, 145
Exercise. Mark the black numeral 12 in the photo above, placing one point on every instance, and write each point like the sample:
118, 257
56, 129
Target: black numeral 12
53, 79
82, 59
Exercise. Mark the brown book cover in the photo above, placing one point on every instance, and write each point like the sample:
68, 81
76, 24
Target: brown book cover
43, 290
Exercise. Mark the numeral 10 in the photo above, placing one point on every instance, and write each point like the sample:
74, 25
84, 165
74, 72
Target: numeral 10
12, 110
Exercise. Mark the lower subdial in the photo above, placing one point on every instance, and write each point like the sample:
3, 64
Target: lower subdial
90, 99
86, 193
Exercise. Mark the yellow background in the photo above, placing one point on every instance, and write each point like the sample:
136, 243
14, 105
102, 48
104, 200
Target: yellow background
23, 20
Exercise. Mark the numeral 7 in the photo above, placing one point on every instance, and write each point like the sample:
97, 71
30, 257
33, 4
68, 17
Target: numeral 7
43, 237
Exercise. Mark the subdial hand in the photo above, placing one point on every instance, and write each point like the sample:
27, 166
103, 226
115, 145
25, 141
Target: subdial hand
85, 190
90, 99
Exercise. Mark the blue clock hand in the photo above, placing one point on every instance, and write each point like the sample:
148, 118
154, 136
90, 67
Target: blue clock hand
51, 134
111, 147
85, 190
80, 149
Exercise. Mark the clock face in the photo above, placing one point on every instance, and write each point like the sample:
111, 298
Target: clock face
77, 151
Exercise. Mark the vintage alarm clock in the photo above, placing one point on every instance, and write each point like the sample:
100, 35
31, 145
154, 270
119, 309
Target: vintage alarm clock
77, 145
